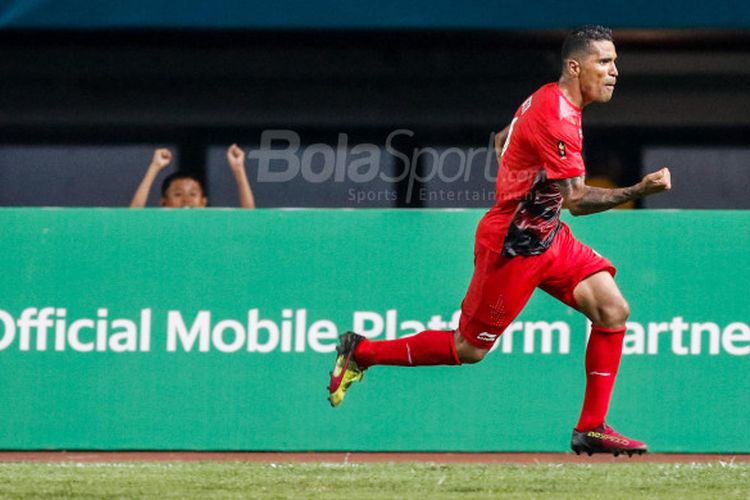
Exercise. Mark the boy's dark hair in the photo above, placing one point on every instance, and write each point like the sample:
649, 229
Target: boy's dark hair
579, 38
168, 180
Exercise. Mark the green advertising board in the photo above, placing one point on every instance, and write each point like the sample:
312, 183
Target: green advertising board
215, 330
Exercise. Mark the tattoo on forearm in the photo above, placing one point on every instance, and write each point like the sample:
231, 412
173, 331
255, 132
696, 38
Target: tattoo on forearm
598, 199
582, 199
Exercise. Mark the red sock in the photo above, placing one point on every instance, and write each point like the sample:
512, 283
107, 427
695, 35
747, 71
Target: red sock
430, 347
602, 361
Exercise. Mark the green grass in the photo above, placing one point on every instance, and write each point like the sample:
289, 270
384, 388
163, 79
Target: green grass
365, 481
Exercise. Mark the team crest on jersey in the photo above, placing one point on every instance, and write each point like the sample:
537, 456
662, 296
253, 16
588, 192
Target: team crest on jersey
561, 149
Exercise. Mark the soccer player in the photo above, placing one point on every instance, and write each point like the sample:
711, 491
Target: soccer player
185, 190
521, 245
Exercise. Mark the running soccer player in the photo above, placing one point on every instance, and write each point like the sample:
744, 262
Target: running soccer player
521, 245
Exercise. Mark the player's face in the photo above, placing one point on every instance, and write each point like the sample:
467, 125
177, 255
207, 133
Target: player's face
598, 72
184, 193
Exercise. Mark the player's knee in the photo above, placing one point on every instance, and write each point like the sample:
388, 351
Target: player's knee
471, 356
468, 353
614, 314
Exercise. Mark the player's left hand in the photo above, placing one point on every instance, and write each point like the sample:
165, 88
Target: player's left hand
656, 182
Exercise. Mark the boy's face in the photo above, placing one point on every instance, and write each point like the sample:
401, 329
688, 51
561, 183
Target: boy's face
184, 193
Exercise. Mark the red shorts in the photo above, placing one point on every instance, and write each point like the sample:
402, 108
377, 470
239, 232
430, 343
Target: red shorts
502, 286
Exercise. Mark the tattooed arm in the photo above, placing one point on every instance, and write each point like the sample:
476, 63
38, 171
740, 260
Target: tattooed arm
582, 199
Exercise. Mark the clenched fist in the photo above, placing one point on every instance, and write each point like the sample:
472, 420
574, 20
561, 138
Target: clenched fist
656, 182
236, 157
162, 157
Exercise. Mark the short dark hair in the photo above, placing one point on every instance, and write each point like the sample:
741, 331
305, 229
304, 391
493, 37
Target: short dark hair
578, 39
168, 180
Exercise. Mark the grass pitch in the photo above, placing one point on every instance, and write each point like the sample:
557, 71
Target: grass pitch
417, 480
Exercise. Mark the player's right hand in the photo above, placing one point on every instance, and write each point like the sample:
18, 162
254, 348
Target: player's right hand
162, 158
656, 182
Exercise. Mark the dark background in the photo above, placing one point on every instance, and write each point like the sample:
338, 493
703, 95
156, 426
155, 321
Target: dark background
81, 110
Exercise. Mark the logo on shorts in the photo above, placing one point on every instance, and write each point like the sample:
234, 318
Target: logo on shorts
561, 149
488, 337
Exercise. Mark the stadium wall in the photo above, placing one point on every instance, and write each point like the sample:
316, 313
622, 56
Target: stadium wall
359, 14
214, 330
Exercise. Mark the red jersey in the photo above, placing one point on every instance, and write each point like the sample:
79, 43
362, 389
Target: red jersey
544, 143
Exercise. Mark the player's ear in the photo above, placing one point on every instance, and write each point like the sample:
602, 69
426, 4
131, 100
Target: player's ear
572, 67
204, 202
